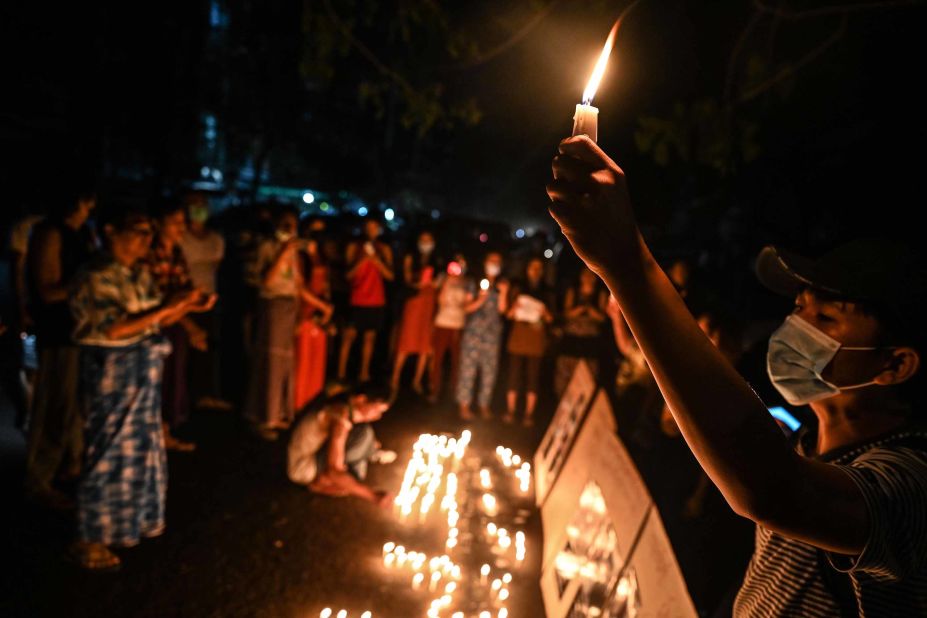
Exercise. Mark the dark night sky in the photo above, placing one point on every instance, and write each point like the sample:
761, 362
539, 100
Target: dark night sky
842, 150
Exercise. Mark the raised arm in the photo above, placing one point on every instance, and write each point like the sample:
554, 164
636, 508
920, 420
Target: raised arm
723, 421
384, 262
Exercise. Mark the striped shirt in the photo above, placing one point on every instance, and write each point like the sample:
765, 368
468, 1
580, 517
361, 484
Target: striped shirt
888, 578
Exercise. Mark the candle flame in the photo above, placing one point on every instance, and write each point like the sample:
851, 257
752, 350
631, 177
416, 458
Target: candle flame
599, 69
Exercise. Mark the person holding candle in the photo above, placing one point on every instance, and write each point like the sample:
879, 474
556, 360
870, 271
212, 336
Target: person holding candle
270, 399
370, 266
583, 318
332, 446
454, 294
530, 314
482, 338
118, 312
847, 506
415, 326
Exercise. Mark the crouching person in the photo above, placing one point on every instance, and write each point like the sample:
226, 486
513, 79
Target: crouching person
333, 445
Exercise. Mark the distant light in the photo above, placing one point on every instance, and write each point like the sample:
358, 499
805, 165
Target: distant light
217, 175
781, 414
308, 198
204, 172
389, 214
435, 214
519, 233
484, 237
362, 211
324, 206
548, 253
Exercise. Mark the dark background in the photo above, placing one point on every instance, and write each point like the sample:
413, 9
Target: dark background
413, 105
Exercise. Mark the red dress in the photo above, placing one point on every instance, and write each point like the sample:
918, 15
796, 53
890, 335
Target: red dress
417, 317
311, 346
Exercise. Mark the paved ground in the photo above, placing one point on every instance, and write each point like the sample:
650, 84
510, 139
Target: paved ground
241, 540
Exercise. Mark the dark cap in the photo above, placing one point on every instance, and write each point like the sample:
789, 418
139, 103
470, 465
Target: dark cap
889, 274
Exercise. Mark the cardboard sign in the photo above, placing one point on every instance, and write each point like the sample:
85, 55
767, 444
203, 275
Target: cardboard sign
598, 455
606, 552
562, 431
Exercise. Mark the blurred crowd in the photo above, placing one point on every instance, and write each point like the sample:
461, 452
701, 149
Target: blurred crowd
142, 315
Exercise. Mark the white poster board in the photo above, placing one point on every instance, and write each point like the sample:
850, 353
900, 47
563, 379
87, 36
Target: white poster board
598, 455
561, 433
606, 552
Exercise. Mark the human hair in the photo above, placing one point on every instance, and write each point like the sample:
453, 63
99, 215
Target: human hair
897, 331
66, 203
164, 207
123, 216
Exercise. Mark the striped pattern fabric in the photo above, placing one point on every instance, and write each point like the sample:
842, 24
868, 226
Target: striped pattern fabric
889, 577
122, 489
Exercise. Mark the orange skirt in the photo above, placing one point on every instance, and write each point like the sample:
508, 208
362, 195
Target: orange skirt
309, 358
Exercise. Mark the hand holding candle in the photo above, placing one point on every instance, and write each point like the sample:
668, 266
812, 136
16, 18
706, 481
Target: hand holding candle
586, 119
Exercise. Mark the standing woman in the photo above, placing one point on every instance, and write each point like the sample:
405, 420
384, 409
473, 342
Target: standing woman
454, 294
118, 311
583, 318
370, 266
482, 339
171, 273
415, 327
530, 315
271, 390
311, 351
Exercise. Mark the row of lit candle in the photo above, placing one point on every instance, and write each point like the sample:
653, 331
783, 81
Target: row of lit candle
436, 462
328, 613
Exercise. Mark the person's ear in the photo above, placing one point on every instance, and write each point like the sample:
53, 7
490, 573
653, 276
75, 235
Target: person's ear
901, 367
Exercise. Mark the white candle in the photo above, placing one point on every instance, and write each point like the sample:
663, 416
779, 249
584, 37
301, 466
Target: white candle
484, 573
484, 285
496, 585
503, 594
325, 613
367, 614
417, 581
343, 614
586, 121
507, 578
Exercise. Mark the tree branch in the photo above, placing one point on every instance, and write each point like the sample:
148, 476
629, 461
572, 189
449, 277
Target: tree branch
365, 51
790, 70
513, 40
838, 9
735, 53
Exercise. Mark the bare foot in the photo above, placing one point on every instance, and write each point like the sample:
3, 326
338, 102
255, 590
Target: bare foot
485, 413
465, 413
94, 556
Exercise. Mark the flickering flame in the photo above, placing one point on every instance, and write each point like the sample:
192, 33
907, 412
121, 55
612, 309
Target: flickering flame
599, 69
